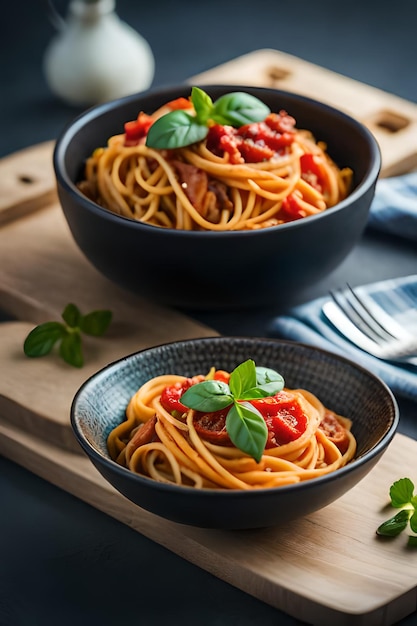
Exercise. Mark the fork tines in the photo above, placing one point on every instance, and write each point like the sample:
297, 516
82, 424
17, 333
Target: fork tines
360, 314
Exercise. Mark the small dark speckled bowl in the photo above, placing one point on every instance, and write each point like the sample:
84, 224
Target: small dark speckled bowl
218, 270
350, 390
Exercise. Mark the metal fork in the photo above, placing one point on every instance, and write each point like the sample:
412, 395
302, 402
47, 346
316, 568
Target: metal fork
371, 328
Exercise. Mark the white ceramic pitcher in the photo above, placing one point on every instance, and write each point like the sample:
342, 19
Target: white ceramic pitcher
95, 56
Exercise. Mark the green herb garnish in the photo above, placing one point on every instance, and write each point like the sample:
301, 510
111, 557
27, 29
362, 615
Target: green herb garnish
244, 423
402, 497
42, 338
180, 128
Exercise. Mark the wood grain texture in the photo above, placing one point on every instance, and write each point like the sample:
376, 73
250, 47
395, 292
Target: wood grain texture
26, 181
327, 568
41, 270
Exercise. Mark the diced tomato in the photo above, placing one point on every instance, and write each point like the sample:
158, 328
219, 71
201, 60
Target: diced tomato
136, 129
215, 133
312, 171
281, 122
264, 135
255, 142
171, 395
230, 145
284, 417
221, 375
212, 426
180, 103
223, 139
253, 152
274, 140
292, 207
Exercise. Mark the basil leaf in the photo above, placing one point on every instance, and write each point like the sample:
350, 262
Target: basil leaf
264, 391
175, 130
272, 388
413, 521
202, 103
412, 541
71, 315
239, 108
253, 394
265, 375
395, 525
207, 396
242, 378
71, 349
247, 429
401, 492
42, 339
248, 382
95, 323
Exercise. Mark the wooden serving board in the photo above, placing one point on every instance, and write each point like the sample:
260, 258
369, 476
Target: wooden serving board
327, 568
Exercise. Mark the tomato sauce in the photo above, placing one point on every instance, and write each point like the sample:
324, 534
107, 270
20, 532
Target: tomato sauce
335, 431
255, 142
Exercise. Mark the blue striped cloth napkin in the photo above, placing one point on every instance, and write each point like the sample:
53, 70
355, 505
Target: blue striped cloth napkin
394, 207
393, 210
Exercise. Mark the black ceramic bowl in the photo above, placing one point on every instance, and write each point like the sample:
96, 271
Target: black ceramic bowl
100, 403
217, 270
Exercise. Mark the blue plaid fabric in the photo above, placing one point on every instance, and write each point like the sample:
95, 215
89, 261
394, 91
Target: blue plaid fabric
394, 207
307, 324
394, 210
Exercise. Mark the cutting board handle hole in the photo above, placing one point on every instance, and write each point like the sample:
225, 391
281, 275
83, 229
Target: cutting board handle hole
390, 121
275, 74
26, 180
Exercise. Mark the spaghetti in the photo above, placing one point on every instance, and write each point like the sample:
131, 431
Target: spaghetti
255, 176
187, 447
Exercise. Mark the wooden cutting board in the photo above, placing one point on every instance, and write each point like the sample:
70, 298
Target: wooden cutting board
326, 568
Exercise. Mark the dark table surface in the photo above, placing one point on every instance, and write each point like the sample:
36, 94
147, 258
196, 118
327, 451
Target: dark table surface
62, 561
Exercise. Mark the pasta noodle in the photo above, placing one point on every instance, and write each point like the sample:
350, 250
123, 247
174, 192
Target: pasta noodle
226, 182
184, 449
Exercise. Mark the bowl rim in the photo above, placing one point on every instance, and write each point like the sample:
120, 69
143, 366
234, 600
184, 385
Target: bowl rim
306, 485
77, 123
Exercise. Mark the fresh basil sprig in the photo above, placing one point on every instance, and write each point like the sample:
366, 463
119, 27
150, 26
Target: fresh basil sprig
42, 338
244, 423
402, 497
180, 128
